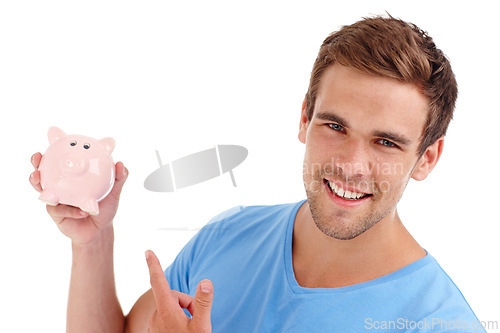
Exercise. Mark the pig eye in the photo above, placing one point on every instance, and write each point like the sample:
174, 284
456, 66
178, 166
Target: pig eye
73, 143
86, 146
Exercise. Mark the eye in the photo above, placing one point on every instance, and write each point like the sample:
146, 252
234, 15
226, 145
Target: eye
336, 127
86, 145
72, 143
387, 143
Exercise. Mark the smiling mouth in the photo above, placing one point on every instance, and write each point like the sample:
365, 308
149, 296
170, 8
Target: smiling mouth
346, 195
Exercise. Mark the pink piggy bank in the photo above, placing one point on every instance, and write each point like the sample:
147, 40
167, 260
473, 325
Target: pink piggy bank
76, 170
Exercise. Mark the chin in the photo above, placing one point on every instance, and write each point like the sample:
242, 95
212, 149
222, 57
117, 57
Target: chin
340, 224
340, 229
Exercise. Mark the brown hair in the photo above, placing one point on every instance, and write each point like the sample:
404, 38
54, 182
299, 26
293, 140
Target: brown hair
392, 48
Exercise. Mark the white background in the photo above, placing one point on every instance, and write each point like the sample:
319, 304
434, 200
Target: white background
181, 76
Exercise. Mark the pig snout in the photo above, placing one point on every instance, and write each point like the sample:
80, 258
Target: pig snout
73, 165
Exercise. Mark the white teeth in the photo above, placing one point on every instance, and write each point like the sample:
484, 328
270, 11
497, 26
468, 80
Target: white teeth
345, 194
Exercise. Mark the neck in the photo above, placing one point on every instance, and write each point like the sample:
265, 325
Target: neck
321, 261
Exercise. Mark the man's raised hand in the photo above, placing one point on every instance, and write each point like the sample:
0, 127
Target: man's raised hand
76, 224
169, 316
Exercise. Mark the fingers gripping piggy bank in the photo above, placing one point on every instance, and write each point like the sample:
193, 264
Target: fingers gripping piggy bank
76, 170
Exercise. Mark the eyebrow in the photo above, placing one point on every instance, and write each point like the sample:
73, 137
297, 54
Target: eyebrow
395, 137
332, 117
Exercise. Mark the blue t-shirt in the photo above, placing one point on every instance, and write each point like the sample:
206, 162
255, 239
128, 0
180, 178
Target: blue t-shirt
247, 253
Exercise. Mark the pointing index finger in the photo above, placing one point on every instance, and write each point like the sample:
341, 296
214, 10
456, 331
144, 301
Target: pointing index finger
159, 283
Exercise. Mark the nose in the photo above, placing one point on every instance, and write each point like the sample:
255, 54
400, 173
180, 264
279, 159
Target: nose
354, 159
73, 165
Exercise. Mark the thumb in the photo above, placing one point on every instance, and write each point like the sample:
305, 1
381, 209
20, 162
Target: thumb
202, 305
121, 173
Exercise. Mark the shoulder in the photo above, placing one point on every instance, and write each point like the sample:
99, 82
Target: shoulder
251, 215
449, 305
245, 224
260, 211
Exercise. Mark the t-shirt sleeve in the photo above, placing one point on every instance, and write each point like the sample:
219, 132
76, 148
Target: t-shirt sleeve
178, 272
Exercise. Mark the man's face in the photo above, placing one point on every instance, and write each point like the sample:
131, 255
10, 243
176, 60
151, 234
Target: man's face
361, 149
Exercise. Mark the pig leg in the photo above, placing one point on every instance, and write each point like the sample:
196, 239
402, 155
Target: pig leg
90, 206
49, 197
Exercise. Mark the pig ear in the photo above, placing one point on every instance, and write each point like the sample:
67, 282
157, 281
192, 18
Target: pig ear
108, 144
55, 134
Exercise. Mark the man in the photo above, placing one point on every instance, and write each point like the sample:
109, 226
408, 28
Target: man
379, 102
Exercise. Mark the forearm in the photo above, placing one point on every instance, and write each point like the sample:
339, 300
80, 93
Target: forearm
93, 304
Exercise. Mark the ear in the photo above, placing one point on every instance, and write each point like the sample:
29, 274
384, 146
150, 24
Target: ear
428, 160
55, 134
108, 144
304, 123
